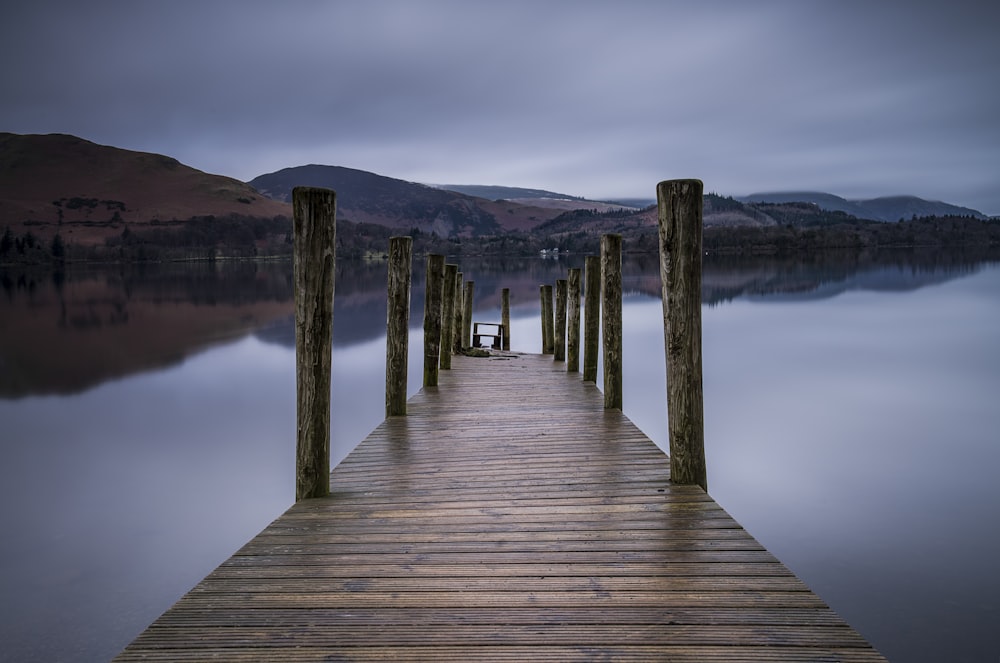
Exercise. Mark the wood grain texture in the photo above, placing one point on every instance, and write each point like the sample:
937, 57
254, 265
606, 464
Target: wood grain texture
397, 335
679, 208
508, 517
448, 328
611, 318
314, 227
591, 317
573, 287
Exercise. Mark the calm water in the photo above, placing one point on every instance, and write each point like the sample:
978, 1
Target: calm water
147, 430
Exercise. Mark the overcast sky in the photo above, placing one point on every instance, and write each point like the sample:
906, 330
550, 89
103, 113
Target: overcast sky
596, 99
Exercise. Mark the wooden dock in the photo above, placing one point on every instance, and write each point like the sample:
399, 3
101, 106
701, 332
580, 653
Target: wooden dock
508, 516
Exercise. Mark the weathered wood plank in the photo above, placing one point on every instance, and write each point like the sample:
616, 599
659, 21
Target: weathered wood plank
508, 516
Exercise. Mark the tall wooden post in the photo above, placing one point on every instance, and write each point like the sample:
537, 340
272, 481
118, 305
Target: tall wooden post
448, 316
314, 229
560, 335
432, 318
680, 221
505, 318
611, 316
591, 317
397, 326
459, 313
573, 321
470, 287
548, 326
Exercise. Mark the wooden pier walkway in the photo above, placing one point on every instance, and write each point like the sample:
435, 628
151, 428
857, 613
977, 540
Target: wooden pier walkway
508, 517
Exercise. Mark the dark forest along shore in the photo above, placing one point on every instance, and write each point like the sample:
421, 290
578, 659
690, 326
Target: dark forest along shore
158, 400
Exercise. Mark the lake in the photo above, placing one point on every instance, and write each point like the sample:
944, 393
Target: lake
147, 428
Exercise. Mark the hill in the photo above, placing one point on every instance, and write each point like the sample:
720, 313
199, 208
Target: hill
492, 192
87, 192
889, 208
364, 197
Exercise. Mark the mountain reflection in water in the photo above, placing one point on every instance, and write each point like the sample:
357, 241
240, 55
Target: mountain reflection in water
68, 330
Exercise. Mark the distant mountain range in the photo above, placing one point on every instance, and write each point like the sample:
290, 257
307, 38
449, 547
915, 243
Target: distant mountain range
887, 208
87, 193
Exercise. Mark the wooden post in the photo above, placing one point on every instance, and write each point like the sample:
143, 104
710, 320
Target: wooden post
314, 226
611, 317
573, 321
548, 325
505, 318
591, 317
470, 287
448, 316
459, 313
432, 318
397, 326
560, 332
680, 221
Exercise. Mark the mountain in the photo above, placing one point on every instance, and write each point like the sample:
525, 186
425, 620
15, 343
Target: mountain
890, 208
535, 197
492, 192
364, 197
86, 192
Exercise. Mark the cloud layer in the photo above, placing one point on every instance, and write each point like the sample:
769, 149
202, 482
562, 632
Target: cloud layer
598, 99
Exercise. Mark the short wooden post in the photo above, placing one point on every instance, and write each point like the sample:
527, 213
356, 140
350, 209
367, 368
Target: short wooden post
591, 317
573, 321
448, 316
611, 316
680, 220
432, 318
314, 229
548, 325
397, 326
470, 288
459, 313
505, 317
560, 331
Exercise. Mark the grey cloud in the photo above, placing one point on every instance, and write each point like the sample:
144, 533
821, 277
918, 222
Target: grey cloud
590, 98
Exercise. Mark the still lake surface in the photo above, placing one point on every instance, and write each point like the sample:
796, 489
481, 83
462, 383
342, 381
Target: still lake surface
147, 424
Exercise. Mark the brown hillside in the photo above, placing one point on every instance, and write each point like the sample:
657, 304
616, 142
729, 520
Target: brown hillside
59, 183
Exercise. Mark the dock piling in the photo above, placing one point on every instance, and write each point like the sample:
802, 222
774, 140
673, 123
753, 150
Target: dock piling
679, 205
611, 317
448, 316
314, 229
548, 325
573, 321
459, 314
432, 318
397, 330
560, 322
505, 318
591, 317
470, 288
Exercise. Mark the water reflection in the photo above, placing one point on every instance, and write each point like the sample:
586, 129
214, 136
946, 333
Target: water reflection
148, 428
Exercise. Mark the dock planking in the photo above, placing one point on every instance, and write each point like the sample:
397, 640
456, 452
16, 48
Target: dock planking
508, 516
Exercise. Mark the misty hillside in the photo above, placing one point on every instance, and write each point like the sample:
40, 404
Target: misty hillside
889, 208
491, 192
